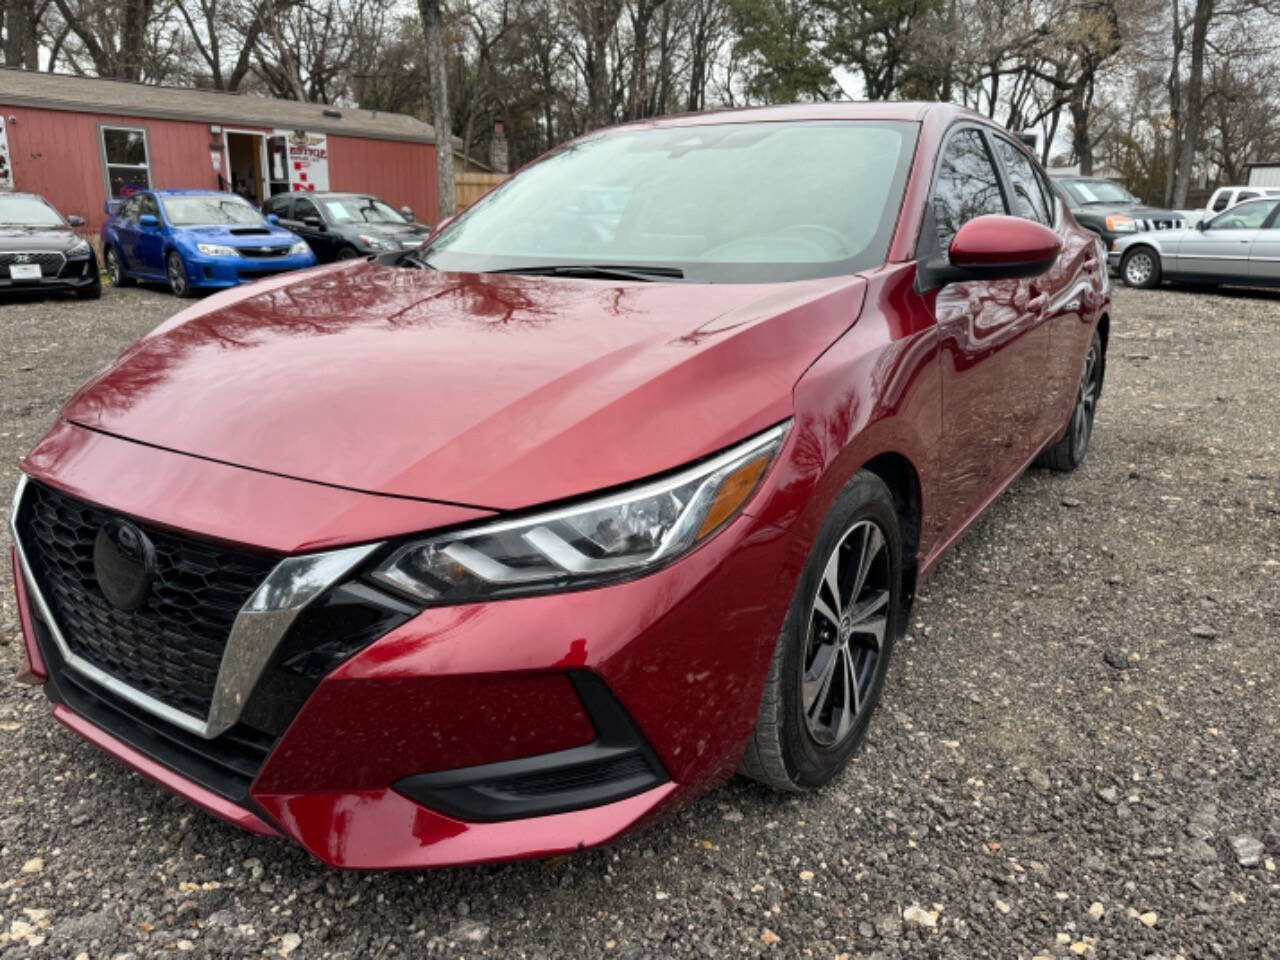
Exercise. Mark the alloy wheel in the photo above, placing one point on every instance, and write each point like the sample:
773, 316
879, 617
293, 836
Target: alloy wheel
113, 267
847, 628
177, 275
1086, 404
1137, 270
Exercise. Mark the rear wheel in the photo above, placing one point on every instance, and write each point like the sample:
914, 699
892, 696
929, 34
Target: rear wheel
176, 271
1069, 452
1140, 267
829, 666
348, 253
115, 269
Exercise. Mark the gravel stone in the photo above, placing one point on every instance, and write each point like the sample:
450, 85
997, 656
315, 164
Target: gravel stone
1248, 850
1180, 500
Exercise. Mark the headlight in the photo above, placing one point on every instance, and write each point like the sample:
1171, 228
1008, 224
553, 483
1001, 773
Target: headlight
79, 251
299, 248
217, 250
378, 243
1119, 223
605, 539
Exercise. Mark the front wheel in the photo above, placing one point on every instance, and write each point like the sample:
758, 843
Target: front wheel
829, 666
176, 271
115, 269
1140, 267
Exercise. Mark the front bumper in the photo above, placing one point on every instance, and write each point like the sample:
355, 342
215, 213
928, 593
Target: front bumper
216, 273
360, 775
74, 275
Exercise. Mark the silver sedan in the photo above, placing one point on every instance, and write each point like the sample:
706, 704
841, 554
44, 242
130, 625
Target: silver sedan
1240, 246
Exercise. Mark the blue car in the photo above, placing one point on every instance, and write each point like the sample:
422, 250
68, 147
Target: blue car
194, 240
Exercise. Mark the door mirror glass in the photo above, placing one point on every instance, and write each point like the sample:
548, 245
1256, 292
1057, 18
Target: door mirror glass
75, 221
272, 219
314, 223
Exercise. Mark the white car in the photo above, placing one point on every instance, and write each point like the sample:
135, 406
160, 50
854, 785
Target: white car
1239, 246
1224, 198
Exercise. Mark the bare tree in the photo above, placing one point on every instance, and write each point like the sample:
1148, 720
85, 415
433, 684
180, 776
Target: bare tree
438, 84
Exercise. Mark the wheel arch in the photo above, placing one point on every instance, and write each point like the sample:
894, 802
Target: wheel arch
1104, 334
903, 480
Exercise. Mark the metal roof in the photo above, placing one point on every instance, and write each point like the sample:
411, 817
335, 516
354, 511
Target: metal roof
54, 91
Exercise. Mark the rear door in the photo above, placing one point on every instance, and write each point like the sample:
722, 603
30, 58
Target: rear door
993, 345
1222, 249
1264, 255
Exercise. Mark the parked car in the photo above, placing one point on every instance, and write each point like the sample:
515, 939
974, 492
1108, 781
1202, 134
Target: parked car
195, 240
1224, 198
1111, 211
1239, 246
39, 250
339, 226
499, 547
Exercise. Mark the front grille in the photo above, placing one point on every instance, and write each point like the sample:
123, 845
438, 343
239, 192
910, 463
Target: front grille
257, 273
263, 252
50, 261
1161, 224
172, 645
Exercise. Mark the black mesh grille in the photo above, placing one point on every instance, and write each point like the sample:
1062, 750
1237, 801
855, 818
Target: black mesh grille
50, 262
576, 778
172, 645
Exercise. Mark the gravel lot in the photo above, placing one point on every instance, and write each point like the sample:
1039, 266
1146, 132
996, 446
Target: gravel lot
1079, 730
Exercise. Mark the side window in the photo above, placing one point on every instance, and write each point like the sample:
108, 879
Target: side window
304, 208
1245, 216
1221, 200
147, 204
1028, 198
966, 185
129, 209
1244, 195
279, 206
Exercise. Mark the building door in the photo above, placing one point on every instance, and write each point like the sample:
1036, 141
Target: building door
245, 165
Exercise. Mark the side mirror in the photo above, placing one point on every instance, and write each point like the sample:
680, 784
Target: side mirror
407, 213
148, 220
993, 247
1202, 225
272, 219
75, 221
112, 207
315, 223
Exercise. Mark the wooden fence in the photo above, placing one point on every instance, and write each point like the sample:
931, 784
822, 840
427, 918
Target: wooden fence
472, 186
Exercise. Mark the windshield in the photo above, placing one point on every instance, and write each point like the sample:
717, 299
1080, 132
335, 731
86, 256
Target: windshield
1097, 191
360, 210
732, 202
28, 212
208, 211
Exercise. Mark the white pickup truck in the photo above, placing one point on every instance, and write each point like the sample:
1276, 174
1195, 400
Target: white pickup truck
1224, 198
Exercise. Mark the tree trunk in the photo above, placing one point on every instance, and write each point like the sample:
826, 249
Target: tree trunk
1174, 86
1193, 103
20, 48
1081, 140
438, 82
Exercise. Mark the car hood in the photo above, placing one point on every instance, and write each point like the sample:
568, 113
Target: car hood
486, 390
18, 238
384, 229
1139, 211
243, 236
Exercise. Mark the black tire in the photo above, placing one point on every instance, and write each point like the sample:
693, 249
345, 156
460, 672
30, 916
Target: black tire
1072, 447
348, 253
115, 268
91, 292
176, 271
789, 748
1144, 263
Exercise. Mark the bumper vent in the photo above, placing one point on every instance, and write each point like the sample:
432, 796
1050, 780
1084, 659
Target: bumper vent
171, 646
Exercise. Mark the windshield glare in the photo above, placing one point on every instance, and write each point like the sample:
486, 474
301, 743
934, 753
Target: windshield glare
1098, 191
360, 210
731, 202
209, 211
28, 212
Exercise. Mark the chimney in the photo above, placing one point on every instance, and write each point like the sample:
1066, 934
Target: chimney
498, 149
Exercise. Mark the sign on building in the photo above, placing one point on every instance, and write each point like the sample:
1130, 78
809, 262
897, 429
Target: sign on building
307, 159
6, 165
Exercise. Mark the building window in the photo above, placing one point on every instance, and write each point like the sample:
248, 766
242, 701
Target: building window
126, 159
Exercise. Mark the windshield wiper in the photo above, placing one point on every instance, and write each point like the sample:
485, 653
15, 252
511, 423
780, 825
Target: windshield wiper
598, 271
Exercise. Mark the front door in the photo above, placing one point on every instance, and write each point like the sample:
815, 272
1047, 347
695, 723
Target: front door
309, 224
993, 343
1222, 248
149, 249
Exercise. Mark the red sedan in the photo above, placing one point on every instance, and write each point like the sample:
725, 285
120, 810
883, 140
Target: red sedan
622, 483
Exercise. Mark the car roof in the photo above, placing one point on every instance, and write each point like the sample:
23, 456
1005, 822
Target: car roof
910, 110
192, 193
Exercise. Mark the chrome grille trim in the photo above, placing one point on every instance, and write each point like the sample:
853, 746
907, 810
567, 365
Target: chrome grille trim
258, 629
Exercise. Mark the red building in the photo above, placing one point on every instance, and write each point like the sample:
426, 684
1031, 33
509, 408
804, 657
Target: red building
80, 140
